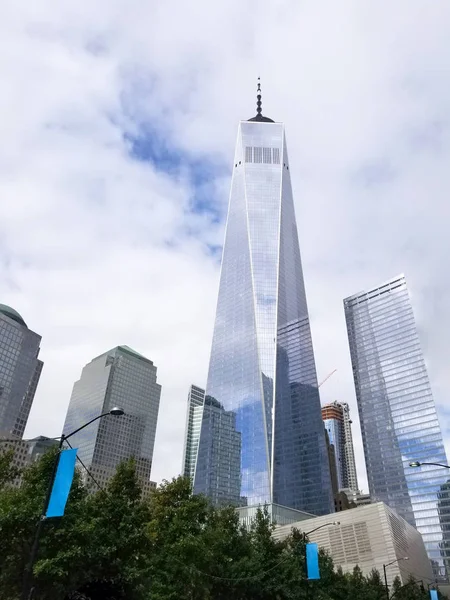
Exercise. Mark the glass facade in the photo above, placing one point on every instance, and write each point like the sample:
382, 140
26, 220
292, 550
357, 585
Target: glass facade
262, 372
124, 378
398, 416
20, 370
196, 399
336, 418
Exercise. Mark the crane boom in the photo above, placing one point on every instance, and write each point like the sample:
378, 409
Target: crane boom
327, 378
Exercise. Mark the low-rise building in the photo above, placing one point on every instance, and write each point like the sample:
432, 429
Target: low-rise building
370, 537
25, 452
356, 498
280, 515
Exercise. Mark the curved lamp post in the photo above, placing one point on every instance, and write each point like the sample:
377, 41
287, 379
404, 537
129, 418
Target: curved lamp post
385, 576
27, 593
416, 463
305, 534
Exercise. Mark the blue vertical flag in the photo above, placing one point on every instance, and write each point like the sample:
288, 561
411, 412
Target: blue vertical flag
433, 595
62, 483
312, 561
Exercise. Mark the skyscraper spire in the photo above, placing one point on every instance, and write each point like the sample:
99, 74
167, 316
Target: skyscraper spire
259, 116
258, 98
262, 438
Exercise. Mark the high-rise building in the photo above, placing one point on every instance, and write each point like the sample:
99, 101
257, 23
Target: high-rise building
262, 371
219, 455
20, 370
336, 417
124, 378
196, 399
398, 417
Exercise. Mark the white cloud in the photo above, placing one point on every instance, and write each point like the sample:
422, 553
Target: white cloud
98, 249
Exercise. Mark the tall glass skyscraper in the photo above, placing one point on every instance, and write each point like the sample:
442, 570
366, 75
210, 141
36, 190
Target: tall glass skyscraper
262, 373
20, 370
196, 400
124, 378
398, 416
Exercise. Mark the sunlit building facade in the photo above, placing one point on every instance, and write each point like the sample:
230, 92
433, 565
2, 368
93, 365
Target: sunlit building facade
196, 400
398, 416
262, 371
120, 377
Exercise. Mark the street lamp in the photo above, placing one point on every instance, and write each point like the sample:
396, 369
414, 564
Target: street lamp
27, 594
305, 535
416, 463
385, 576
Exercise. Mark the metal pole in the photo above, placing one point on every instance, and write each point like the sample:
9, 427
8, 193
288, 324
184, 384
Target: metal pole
27, 591
27, 594
386, 583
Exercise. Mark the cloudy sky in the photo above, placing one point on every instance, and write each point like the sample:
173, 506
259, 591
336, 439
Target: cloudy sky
118, 123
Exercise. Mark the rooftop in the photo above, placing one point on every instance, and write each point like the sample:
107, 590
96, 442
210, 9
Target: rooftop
259, 116
12, 314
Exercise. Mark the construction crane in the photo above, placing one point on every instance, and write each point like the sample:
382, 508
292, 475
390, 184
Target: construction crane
327, 377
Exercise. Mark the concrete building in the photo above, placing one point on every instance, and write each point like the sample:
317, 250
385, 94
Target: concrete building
196, 400
20, 370
120, 377
347, 498
369, 537
356, 497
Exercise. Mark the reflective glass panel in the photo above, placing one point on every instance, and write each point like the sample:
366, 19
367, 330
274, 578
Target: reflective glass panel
262, 408
398, 417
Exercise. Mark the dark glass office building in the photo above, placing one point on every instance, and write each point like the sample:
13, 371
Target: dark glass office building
262, 373
20, 370
398, 416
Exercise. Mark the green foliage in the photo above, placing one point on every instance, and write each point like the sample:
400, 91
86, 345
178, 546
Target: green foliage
115, 544
8, 472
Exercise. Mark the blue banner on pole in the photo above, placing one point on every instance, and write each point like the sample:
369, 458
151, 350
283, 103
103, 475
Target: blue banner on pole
312, 561
433, 595
62, 483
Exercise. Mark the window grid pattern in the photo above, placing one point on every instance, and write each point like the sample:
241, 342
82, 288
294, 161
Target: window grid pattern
122, 378
262, 336
20, 370
398, 416
196, 399
264, 155
336, 418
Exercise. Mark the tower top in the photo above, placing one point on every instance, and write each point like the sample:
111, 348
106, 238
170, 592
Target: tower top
259, 116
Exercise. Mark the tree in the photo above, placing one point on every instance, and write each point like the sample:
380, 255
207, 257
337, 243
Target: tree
114, 544
8, 471
376, 589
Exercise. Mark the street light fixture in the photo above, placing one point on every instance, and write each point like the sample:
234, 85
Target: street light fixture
305, 534
416, 463
27, 593
385, 576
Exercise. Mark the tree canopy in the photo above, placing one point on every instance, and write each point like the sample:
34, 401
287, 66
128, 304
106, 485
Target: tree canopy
172, 545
